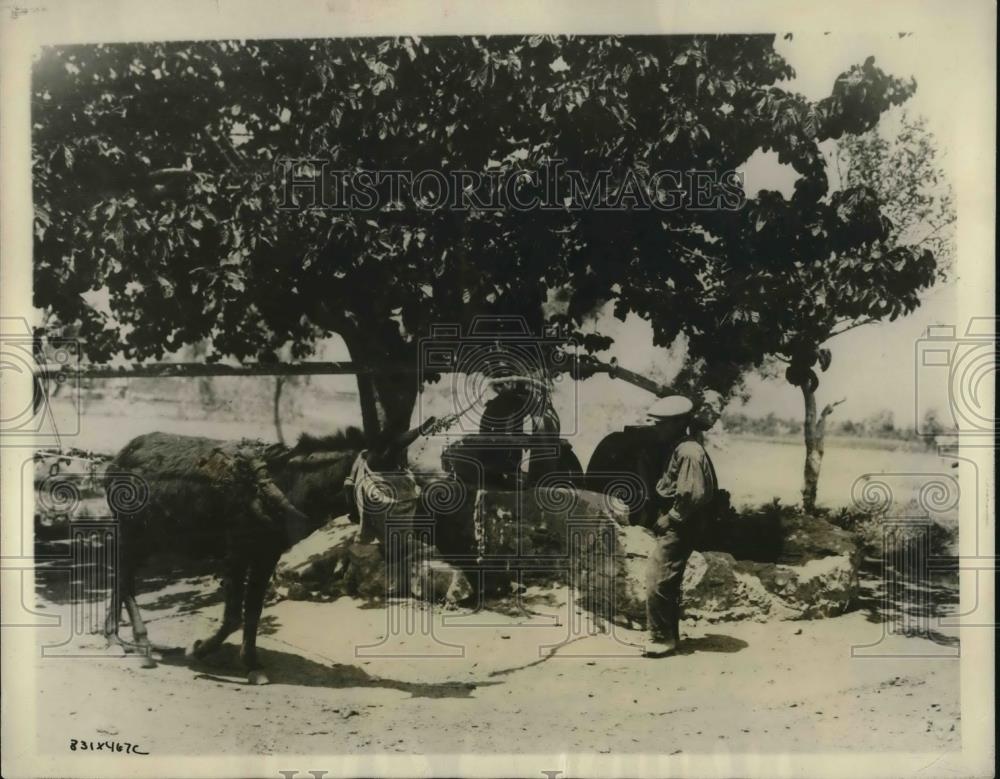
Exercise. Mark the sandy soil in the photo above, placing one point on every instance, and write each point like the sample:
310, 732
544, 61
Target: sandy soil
498, 686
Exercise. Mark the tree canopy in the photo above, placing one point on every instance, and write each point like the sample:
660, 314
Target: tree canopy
890, 189
155, 181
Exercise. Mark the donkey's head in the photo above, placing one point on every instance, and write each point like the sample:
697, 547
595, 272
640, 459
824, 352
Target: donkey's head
313, 472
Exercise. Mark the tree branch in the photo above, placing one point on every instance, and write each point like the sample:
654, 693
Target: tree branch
836, 159
829, 407
932, 233
236, 164
860, 323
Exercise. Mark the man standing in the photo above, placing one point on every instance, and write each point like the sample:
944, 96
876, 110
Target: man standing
686, 492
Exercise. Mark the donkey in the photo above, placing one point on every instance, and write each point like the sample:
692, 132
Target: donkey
202, 498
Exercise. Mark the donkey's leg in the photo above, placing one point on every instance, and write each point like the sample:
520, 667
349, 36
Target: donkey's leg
234, 586
257, 581
124, 587
113, 619
139, 634
129, 556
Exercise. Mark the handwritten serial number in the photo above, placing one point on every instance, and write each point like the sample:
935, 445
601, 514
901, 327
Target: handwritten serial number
127, 747
17, 11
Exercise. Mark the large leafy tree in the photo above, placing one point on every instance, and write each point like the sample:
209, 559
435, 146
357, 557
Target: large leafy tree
893, 192
154, 181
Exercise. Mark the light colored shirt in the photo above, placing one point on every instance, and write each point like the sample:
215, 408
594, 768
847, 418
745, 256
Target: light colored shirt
689, 479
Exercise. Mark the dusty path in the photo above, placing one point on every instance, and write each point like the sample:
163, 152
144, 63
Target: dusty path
735, 687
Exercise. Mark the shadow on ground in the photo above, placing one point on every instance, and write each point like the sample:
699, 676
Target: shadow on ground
64, 577
908, 605
287, 668
187, 601
712, 642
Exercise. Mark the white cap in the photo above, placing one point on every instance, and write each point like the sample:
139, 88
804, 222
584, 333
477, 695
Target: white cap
670, 406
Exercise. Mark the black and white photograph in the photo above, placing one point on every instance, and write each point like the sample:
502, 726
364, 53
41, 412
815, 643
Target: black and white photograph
541, 390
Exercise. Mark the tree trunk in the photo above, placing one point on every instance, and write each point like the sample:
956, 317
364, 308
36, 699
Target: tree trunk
387, 401
206, 386
389, 393
813, 432
814, 451
279, 382
206, 393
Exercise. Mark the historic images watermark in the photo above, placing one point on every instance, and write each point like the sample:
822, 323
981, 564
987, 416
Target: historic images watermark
75, 505
502, 434
910, 512
314, 183
48, 365
965, 365
579, 551
914, 510
498, 354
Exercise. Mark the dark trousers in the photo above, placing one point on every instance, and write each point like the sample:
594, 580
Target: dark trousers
664, 577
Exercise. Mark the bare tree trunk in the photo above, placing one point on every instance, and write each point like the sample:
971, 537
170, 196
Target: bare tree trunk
279, 383
814, 451
206, 393
206, 386
813, 432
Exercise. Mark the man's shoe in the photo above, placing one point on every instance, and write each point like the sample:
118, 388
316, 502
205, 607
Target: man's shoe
659, 649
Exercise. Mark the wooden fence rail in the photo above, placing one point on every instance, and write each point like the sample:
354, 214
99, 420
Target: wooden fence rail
179, 370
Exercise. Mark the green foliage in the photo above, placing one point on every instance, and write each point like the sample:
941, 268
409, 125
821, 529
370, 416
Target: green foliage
937, 538
900, 162
894, 190
772, 512
154, 181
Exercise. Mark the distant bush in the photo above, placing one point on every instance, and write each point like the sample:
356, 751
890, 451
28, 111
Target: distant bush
767, 425
870, 529
879, 425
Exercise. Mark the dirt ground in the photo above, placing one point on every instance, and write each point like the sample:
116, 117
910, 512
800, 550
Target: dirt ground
488, 682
